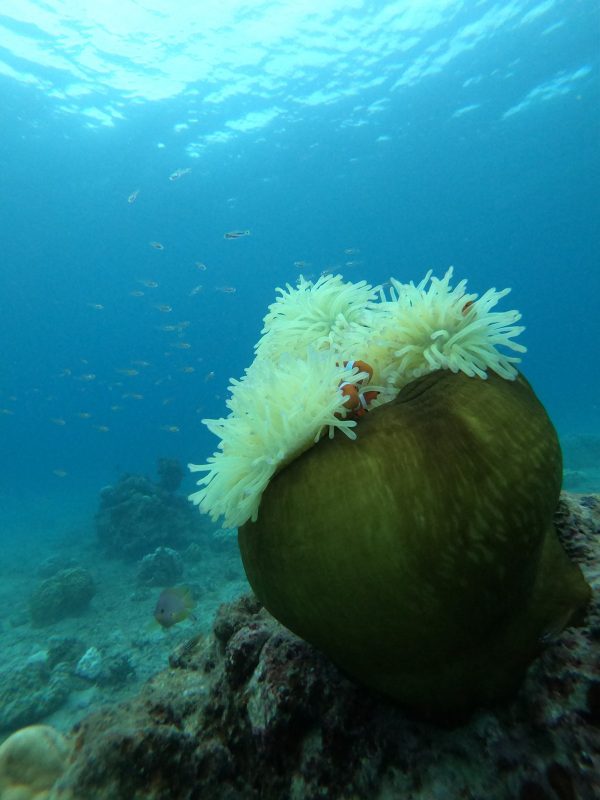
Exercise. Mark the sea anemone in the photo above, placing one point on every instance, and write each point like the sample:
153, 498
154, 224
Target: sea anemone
314, 315
423, 328
278, 410
422, 557
419, 555
290, 392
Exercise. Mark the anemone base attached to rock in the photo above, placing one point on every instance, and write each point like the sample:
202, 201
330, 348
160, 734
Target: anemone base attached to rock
422, 557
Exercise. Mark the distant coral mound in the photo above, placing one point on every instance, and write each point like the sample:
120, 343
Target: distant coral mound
170, 474
137, 515
66, 594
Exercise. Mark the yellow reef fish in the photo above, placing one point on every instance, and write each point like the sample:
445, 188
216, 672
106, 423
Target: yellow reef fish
173, 605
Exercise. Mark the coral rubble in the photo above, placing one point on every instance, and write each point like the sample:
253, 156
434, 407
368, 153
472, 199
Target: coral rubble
30, 693
252, 712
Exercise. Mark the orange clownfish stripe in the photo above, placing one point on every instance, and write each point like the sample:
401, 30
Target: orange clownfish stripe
350, 392
365, 399
357, 400
362, 366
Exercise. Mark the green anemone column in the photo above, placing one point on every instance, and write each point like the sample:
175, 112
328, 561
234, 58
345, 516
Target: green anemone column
422, 557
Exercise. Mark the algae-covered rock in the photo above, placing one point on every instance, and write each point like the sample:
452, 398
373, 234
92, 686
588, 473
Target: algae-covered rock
136, 516
163, 567
252, 711
65, 594
422, 557
30, 693
31, 760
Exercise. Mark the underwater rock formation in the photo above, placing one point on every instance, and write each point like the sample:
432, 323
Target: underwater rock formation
30, 693
30, 762
97, 667
137, 515
252, 712
163, 567
67, 593
170, 474
55, 563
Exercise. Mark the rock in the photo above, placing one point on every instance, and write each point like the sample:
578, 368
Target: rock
252, 712
89, 665
65, 594
64, 649
136, 516
117, 671
163, 567
30, 693
170, 474
53, 564
31, 760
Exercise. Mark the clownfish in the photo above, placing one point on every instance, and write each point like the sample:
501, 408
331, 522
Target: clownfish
357, 399
350, 392
361, 366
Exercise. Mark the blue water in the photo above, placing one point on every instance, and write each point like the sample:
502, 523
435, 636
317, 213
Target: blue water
417, 135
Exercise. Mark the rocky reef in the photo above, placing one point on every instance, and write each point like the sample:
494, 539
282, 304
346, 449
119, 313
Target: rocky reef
32, 692
66, 593
138, 515
252, 712
30, 762
45, 682
163, 567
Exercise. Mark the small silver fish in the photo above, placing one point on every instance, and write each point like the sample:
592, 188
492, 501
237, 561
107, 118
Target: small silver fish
179, 173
